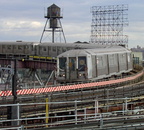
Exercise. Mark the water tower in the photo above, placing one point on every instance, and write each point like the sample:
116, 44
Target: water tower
55, 26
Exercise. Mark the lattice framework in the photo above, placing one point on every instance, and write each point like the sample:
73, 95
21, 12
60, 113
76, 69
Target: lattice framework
108, 23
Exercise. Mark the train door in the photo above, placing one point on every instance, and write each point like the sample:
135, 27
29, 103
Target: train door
72, 68
62, 66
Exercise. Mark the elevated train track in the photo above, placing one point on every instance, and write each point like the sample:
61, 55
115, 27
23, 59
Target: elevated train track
30, 63
113, 88
72, 87
100, 90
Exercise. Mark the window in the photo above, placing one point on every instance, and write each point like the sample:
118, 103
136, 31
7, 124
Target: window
54, 48
44, 48
59, 49
68, 48
20, 47
26, 47
82, 63
63, 49
9, 47
72, 63
32, 48
62, 63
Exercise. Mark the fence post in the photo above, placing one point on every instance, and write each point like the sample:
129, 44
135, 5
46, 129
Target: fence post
75, 112
18, 113
101, 121
13, 112
126, 105
123, 109
47, 112
96, 107
85, 115
107, 100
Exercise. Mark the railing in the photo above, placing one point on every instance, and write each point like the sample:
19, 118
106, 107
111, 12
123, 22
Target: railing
100, 113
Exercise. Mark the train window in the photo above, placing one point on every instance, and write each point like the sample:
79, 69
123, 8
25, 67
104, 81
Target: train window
62, 63
44, 48
26, 47
68, 48
54, 48
63, 49
72, 63
81, 63
9, 47
20, 47
59, 50
32, 47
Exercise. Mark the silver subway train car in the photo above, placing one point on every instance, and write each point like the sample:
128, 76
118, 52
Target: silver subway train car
20, 48
92, 64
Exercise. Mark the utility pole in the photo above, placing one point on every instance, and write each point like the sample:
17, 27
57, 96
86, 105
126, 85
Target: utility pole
14, 110
14, 82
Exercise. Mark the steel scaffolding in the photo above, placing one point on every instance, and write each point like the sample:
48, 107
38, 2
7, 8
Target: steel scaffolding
108, 23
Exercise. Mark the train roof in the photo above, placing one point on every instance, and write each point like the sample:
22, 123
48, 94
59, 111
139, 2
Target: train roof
78, 45
56, 44
70, 45
98, 51
16, 43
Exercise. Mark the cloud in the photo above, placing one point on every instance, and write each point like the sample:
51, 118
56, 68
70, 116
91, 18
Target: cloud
13, 29
136, 26
24, 19
77, 31
18, 24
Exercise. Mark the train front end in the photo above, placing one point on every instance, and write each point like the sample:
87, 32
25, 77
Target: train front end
71, 67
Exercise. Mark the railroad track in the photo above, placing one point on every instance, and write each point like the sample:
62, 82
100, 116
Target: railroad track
129, 91
119, 90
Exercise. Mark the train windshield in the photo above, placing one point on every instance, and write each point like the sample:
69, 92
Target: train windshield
81, 63
72, 63
62, 63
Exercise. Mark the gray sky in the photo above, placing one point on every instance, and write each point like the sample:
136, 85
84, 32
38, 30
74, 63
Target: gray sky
24, 19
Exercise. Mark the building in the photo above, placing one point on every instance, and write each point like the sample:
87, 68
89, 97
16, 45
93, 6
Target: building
138, 55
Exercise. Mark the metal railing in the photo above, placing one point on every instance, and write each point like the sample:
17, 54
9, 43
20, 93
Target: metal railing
102, 112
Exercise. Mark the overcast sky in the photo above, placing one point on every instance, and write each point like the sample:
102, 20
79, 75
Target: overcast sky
24, 19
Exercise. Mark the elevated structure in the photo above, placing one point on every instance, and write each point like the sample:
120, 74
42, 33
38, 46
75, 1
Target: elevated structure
53, 16
107, 24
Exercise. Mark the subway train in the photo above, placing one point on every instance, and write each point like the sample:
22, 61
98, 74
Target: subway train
27, 49
93, 64
38, 50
